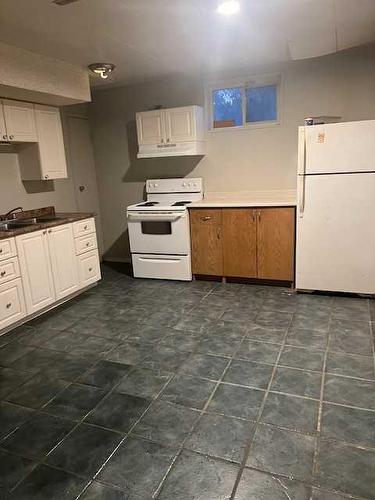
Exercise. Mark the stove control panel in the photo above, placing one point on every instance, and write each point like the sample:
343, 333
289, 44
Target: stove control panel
185, 185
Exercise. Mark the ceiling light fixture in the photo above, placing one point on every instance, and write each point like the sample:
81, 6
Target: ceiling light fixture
102, 69
228, 7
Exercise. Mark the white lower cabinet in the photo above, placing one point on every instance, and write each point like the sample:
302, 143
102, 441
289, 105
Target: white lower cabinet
12, 304
36, 272
41, 268
89, 268
63, 260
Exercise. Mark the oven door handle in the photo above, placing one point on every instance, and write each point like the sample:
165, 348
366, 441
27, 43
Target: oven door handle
154, 217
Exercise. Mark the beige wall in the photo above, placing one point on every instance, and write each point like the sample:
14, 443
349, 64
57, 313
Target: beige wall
260, 159
31, 194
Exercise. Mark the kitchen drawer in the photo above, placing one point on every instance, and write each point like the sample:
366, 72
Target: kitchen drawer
208, 216
9, 269
89, 268
83, 227
86, 243
12, 303
7, 248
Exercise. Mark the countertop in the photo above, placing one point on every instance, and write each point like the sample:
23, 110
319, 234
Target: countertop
63, 218
247, 199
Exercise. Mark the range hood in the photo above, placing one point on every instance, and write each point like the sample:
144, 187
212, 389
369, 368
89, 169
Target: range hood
176, 149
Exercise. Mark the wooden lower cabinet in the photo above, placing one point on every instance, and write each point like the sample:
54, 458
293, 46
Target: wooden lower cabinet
244, 242
239, 242
276, 243
207, 250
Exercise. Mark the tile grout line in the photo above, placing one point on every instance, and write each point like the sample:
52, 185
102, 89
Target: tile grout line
247, 450
315, 469
202, 413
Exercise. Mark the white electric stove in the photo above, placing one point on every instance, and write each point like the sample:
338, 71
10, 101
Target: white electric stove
159, 230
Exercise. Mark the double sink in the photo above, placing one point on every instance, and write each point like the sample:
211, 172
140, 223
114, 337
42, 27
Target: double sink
11, 225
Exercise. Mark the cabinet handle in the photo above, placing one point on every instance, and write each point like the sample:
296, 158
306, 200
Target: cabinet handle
85, 227
46, 176
259, 215
5, 137
162, 141
167, 139
3, 273
44, 232
254, 215
9, 305
50, 231
206, 218
88, 244
11, 137
90, 269
219, 233
1, 250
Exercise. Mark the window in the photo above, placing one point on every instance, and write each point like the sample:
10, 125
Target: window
245, 105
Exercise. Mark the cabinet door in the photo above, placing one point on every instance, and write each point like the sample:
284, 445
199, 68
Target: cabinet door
89, 268
276, 236
3, 130
150, 127
12, 304
36, 270
51, 143
63, 260
206, 244
20, 121
240, 242
180, 124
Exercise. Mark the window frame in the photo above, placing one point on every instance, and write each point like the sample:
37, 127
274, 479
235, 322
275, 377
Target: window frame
244, 83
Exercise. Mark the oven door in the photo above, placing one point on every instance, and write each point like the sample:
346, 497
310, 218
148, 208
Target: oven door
156, 232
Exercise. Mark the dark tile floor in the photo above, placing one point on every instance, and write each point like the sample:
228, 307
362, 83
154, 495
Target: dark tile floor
190, 391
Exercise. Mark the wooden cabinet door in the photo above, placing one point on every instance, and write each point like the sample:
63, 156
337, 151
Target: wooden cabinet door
63, 260
240, 242
51, 143
34, 259
150, 127
20, 121
276, 236
180, 124
206, 244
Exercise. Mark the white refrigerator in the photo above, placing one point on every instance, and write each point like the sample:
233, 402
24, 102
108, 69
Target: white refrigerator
336, 208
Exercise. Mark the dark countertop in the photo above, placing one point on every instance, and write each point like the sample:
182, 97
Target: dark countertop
63, 218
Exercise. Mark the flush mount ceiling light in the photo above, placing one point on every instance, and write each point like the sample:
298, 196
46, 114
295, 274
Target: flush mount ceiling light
102, 69
228, 7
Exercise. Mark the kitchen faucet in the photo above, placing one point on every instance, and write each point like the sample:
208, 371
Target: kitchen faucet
11, 213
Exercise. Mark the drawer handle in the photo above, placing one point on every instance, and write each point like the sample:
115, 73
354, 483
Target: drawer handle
9, 305
3, 273
85, 227
88, 244
90, 269
1, 250
205, 218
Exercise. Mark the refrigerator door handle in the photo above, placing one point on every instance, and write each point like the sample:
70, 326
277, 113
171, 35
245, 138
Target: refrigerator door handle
301, 171
301, 195
301, 168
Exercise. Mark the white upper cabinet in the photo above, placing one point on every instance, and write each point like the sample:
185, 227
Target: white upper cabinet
181, 124
46, 159
19, 121
150, 127
171, 132
63, 259
51, 142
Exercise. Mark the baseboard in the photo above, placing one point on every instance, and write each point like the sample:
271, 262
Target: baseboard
125, 260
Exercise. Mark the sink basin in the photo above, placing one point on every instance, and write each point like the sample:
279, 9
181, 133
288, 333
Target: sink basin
16, 224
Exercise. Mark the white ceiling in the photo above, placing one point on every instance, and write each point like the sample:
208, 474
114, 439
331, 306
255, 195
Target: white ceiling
147, 39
